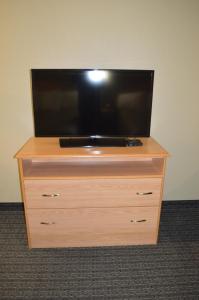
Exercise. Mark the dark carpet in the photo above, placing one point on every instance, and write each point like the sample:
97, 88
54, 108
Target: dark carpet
169, 270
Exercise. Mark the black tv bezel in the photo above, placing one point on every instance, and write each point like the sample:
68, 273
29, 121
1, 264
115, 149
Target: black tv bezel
152, 72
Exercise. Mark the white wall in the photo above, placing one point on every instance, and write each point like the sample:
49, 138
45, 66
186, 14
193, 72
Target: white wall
159, 34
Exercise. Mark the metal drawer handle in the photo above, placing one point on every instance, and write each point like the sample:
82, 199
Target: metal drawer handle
50, 195
139, 221
144, 193
47, 223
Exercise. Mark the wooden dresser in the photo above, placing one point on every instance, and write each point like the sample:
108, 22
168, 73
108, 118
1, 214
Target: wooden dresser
79, 197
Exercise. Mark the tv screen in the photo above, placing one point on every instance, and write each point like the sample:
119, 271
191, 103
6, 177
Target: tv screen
110, 103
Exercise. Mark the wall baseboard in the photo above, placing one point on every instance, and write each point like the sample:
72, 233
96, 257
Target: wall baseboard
11, 206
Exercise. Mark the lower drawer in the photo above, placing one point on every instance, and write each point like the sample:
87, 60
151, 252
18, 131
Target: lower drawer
92, 226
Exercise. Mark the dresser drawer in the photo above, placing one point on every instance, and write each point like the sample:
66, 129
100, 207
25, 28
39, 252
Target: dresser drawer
92, 226
92, 193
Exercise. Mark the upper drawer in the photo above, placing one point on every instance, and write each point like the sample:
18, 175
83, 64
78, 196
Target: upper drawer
92, 193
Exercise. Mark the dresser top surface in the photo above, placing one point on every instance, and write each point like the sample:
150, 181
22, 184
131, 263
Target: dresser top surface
49, 147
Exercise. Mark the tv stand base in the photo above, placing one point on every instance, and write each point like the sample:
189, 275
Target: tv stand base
80, 197
98, 142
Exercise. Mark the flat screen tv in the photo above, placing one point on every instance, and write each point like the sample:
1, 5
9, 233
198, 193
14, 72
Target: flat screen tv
86, 102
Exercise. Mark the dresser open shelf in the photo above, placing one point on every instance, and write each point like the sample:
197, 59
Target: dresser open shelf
92, 167
91, 197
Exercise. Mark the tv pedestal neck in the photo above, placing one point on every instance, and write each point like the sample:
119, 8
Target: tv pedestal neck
99, 196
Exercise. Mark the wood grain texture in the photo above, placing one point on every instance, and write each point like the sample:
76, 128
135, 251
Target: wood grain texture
92, 193
92, 226
23, 193
98, 191
91, 168
49, 147
161, 196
